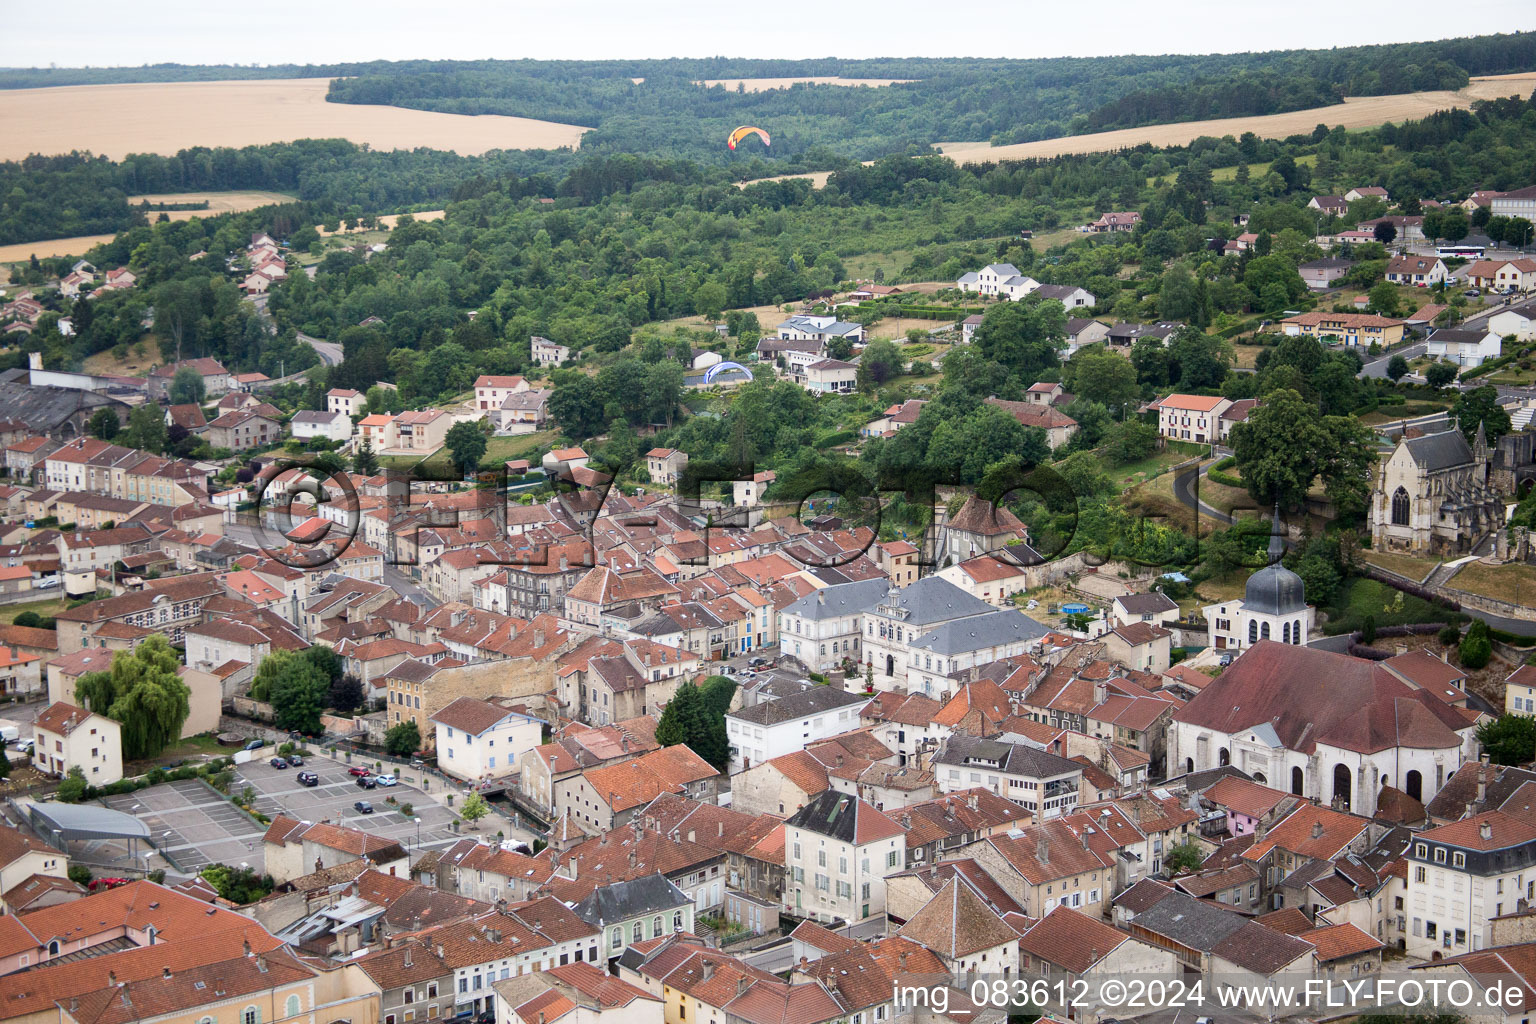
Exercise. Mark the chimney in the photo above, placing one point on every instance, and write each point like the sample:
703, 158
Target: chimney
1085, 839
972, 801
112, 978
1485, 830
624, 742
719, 830
902, 962
1100, 692
407, 956
631, 858
439, 950
34, 360
1317, 830
1482, 779
741, 984
572, 865
1043, 850
247, 945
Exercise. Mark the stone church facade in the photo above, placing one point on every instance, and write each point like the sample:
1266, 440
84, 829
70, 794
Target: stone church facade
1435, 496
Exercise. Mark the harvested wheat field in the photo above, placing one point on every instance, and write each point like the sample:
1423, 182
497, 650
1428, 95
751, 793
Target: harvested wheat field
218, 202
386, 222
764, 84
78, 246
818, 179
1354, 112
163, 117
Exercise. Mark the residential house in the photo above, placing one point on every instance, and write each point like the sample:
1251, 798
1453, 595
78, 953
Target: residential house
1321, 274
1082, 332
215, 376
243, 430
1351, 329
1140, 645
1194, 418
634, 911
1519, 321
770, 728
1067, 942
819, 329
1044, 784
345, 401
999, 279
67, 736
1115, 221
1070, 296
1462, 875
611, 795
830, 376
1333, 206
523, 412
293, 848
478, 740
1419, 271
1503, 274
893, 419
548, 353
1465, 347
491, 390
838, 852
1058, 426
665, 465
749, 493
333, 426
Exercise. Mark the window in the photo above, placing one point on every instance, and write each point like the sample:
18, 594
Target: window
892, 859
252, 1015
617, 938
655, 926
291, 1007
1419, 875
1400, 507
637, 932
1440, 855
1459, 859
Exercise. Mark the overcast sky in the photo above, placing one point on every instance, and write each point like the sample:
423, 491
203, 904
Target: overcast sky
199, 32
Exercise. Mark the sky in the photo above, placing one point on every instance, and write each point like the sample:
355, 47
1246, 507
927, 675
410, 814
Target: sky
200, 32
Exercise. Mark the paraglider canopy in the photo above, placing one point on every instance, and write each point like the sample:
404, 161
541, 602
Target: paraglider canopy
742, 132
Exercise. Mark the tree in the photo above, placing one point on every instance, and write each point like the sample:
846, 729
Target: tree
346, 695
298, 697
240, 885
1284, 445
364, 461
1509, 739
1453, 226
103, 424
402, 740
72, 789
1480, 408
1397, 368
466, 445
1198, 360
1183, 858
1440, 373
1129, 442
79, 873
187, 387
474, 809
143, 693
1367, 625
1022, 336
676, 724
1106, 378
1384, 298
1385, 231
881, 362
146, 429
1477, 648
708, 300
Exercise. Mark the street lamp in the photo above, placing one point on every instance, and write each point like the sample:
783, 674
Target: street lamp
418, 832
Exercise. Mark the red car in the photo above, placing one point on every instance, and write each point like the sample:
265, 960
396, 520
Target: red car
106, 883
359, 770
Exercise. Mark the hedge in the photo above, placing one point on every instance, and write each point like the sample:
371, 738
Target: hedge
1216, 475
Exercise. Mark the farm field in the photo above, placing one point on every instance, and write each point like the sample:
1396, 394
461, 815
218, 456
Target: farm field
765, 84
218, 202
77, 246
386, 222
115, 120
1354, 112
141, 357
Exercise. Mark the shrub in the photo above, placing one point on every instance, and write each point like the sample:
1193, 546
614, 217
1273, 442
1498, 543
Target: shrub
1449, 635
1476, 646
80, 874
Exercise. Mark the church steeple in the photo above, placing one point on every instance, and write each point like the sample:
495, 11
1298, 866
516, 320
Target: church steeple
1480, 444
1276, 538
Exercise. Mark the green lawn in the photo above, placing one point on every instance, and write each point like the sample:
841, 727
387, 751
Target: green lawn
1137, 472
1360, 597
46, 607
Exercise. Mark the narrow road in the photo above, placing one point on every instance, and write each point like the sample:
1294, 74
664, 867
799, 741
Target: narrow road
1378, 368
329, 351
1183, 491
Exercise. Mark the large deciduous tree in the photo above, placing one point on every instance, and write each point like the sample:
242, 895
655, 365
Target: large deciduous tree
143, 694
466, 445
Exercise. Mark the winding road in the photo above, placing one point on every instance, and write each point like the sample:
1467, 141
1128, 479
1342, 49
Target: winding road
329, 351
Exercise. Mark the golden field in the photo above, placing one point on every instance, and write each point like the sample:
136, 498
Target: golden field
218, 202
764, 84
163, 117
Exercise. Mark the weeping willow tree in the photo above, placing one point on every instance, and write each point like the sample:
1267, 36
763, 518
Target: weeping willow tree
143, 694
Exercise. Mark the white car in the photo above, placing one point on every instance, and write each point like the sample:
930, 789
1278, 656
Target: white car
386, 780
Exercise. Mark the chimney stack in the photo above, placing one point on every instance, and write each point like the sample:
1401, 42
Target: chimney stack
1485, 830
1043, 850
708, 967
1317, 830
407, 956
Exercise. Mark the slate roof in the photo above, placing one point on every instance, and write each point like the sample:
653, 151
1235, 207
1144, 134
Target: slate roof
1439, 451
933, 600
621, 901
815, 701
1011, 758
840, 599
846, 818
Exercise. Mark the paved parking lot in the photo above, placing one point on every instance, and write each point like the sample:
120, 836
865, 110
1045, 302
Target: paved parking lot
194, 824
278, 792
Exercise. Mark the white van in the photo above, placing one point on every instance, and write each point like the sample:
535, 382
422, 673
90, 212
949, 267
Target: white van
9, 732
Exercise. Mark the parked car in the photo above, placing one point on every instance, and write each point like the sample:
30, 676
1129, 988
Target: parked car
358, 769
1473, 292
278, 762
367, 782
308, 779
255, 744
102, 884
386, 780
26, 745
46, 583
757, 662
295, 760
363, 807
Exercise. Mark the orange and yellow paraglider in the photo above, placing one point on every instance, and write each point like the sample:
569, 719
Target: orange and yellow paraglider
742, 132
